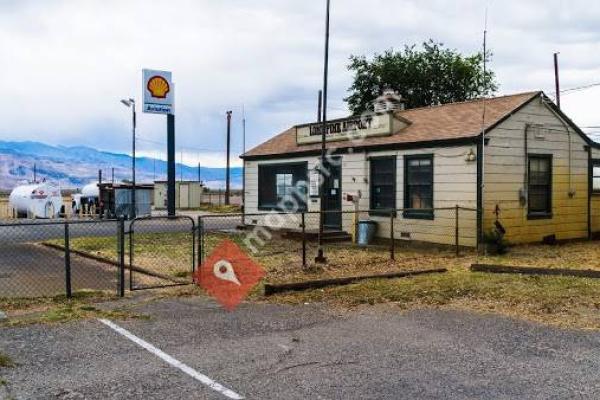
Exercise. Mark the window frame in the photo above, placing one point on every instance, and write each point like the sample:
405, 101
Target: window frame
595, 162
413, 213
383, 211
532, 215
279, 168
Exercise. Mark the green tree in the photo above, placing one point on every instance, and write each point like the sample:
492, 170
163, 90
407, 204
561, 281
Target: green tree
423, 77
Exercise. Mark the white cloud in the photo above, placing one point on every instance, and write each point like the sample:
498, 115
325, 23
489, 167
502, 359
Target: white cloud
67, 63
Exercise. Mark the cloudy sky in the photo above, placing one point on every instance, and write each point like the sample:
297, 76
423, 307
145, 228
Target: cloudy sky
65, 64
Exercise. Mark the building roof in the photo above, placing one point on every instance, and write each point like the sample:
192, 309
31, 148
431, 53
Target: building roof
444, 123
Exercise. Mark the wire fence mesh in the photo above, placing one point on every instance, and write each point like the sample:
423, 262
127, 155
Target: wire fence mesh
47, 258
42, 258
287, 244
161, 251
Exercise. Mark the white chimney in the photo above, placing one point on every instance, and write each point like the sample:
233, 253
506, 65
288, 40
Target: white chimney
389, 101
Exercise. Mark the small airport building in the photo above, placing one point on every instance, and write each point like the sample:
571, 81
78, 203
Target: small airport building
536, 172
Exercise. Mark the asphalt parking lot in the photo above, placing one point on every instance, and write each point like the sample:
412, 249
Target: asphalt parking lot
263, 351
34, 270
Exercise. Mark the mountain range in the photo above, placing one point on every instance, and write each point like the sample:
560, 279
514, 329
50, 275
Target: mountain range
77, 166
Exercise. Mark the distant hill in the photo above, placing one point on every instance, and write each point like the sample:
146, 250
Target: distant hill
77, 166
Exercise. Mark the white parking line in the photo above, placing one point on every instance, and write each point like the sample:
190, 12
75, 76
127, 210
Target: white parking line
175, 363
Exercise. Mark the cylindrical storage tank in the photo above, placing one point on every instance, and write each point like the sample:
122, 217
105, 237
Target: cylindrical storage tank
90, 190
39, 200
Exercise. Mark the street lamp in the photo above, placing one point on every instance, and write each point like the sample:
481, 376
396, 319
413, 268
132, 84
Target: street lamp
130, 103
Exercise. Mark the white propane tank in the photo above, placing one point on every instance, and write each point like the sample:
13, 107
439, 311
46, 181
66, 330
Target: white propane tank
38, 200
90, 190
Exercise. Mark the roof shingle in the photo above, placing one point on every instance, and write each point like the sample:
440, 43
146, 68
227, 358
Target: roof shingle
443, 122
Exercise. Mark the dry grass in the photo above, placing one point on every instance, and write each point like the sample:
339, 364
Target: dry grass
559, 301
221, 208
59, 309
576, 255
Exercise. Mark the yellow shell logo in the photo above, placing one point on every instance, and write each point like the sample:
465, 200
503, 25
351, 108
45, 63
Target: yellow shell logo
158, 87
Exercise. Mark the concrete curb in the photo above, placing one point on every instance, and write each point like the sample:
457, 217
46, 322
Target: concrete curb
271, 289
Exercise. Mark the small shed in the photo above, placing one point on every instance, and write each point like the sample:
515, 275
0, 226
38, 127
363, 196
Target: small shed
188, 194
116, 199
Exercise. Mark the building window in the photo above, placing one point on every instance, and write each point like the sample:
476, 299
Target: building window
282, 186
540, 186
418, 186
383, 185
285, 186
596, 176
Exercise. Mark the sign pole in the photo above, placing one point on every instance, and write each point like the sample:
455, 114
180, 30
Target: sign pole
171, 164
159, 97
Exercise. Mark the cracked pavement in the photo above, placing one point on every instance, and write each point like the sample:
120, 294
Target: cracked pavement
299, 352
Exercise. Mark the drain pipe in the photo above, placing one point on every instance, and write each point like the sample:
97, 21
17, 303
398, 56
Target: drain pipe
571, 191
524, 195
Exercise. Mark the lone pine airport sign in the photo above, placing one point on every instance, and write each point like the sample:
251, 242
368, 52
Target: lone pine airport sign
159, 92
346, 129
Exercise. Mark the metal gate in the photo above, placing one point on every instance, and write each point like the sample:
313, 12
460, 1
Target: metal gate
162, 252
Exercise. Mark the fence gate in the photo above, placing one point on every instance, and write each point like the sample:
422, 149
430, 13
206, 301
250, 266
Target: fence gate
161, 252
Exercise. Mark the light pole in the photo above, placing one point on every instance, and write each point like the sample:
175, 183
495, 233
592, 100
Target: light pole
130, 103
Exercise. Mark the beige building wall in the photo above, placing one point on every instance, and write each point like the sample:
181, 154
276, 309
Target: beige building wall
191, 191
505, 164
454, 183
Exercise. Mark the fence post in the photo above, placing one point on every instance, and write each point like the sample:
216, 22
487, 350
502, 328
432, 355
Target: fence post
303, 240
456, 237
121, 236
67, 262
392, 241
200, 240
131, 244
200, 236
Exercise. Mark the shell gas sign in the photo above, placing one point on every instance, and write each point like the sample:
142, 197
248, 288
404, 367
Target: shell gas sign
158, 91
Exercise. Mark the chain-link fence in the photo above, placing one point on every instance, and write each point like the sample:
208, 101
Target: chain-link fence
161, 251
49, 258
352, 242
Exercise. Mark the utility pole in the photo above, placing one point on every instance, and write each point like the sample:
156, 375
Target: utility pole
112, 170
320, 258
99, 177
34, 173
133, 199
199, 173
556, 80
320, 106
244, 162
227, 178
181, 166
